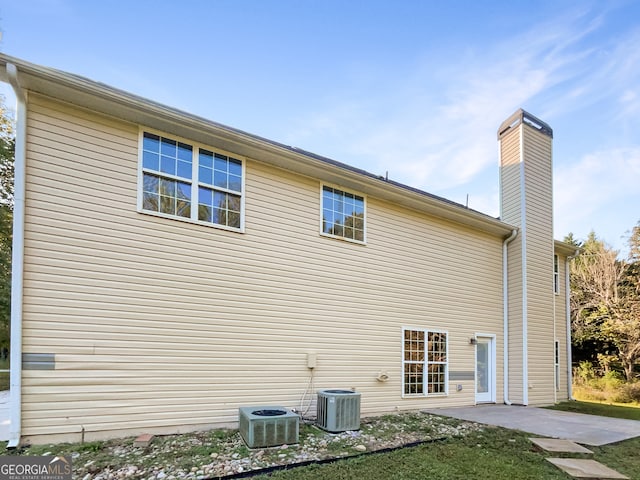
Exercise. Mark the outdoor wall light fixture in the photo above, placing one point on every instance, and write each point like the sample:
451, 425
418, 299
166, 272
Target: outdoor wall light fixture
473, 341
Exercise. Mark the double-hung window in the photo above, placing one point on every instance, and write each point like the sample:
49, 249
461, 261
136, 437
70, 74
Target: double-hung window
342, 214
182, 180
425, 362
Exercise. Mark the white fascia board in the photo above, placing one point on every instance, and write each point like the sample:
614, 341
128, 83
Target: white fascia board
125, 106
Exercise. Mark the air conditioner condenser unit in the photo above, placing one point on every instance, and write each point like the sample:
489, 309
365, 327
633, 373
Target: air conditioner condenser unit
338, 410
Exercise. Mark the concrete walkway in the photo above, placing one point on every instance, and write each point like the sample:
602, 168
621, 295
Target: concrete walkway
580, 428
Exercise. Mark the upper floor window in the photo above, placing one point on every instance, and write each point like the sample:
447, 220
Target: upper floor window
342, 214
185, 181
556, 275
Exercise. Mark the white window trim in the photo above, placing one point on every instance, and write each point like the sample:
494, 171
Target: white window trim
337, 237
194, 181
425, 385
556, 274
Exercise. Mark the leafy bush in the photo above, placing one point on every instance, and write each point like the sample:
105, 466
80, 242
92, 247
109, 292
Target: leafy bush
628, 393
584, 373
609, 388
608, 382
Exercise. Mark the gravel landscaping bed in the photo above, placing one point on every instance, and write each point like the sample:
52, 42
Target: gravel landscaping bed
219, 453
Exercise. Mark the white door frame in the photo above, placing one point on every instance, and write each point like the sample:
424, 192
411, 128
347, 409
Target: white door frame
489, 397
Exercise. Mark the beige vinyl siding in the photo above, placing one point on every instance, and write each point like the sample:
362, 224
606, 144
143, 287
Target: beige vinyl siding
561, 329
160, 325
526, 181
540, 250
511, 206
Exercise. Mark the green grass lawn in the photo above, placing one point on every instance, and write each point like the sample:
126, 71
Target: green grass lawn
603, 409
495, 453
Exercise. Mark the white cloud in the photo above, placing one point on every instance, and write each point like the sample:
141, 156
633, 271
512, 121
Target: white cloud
445, 138
601, 185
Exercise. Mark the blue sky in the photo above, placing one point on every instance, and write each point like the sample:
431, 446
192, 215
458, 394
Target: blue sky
415, 88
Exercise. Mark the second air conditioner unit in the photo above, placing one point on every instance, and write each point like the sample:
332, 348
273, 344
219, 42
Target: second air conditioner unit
338, 410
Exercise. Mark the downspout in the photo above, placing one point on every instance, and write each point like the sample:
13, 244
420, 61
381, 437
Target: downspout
567, 290
17, 259
505, 314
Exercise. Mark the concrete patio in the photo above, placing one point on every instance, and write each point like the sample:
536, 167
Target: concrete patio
580, 428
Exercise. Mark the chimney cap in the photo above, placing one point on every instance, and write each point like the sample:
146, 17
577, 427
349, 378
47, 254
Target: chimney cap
522, 116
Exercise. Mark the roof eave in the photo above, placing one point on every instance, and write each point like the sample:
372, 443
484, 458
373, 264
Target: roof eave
102, 98
565, 248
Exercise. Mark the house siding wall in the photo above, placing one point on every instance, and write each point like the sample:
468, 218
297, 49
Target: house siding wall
162, 326
527, 201
561, 331
511, 212
540, 250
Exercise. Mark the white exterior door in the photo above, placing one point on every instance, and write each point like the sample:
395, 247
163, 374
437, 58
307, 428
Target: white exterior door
485, 369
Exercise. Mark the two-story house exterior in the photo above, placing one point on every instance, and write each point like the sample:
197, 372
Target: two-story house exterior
169, 269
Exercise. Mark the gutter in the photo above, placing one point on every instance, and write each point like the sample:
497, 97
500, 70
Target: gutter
102, 98
505, 310
17, 260
567, 290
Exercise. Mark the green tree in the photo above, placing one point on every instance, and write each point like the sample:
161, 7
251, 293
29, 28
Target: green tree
605, 301
7, 155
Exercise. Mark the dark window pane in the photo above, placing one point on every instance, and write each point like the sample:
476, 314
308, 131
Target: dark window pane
235, 167
220, 162
358, 223
338, 230
184, 191
206, 158
150, 202
220, 179
183, 208
206, 196
150, 160
348, 232
327, 216
151, 183
233, 203
219, 216
151, 142
358, 235
185, 152
233, 219
168, 187
206, 175
235, 183
167, 205
184, 169
168, 147
220, 200
204, 213
167, 165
